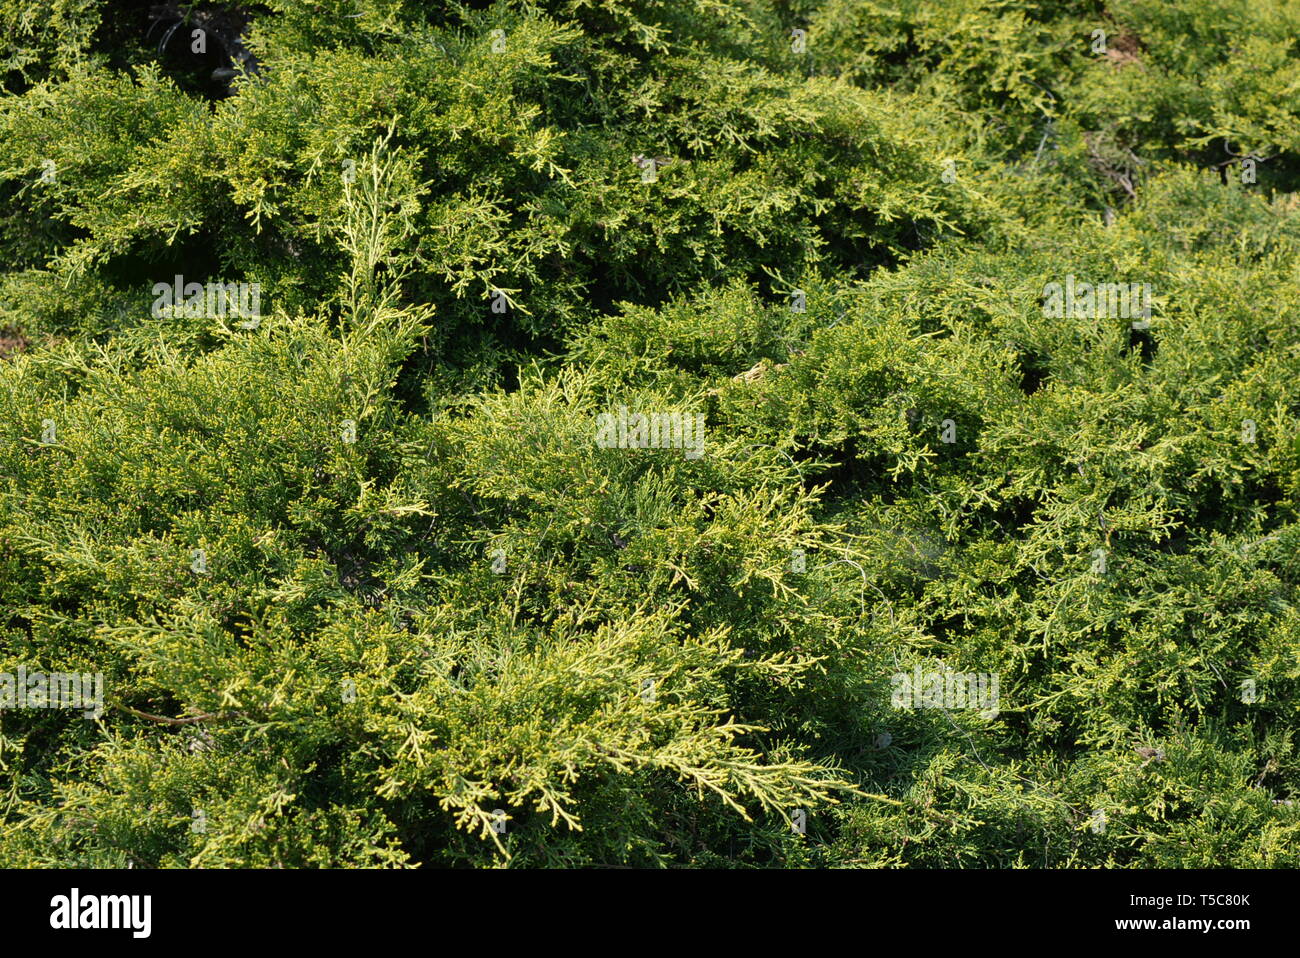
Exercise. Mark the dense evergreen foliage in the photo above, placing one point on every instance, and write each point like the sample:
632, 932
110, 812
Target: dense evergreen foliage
365, 589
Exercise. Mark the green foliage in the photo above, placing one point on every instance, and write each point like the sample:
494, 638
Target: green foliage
366, 591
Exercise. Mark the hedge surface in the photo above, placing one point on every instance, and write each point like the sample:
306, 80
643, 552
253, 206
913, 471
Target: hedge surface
365, 590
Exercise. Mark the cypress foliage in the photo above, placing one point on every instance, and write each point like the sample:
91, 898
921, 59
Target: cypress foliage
612, 416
